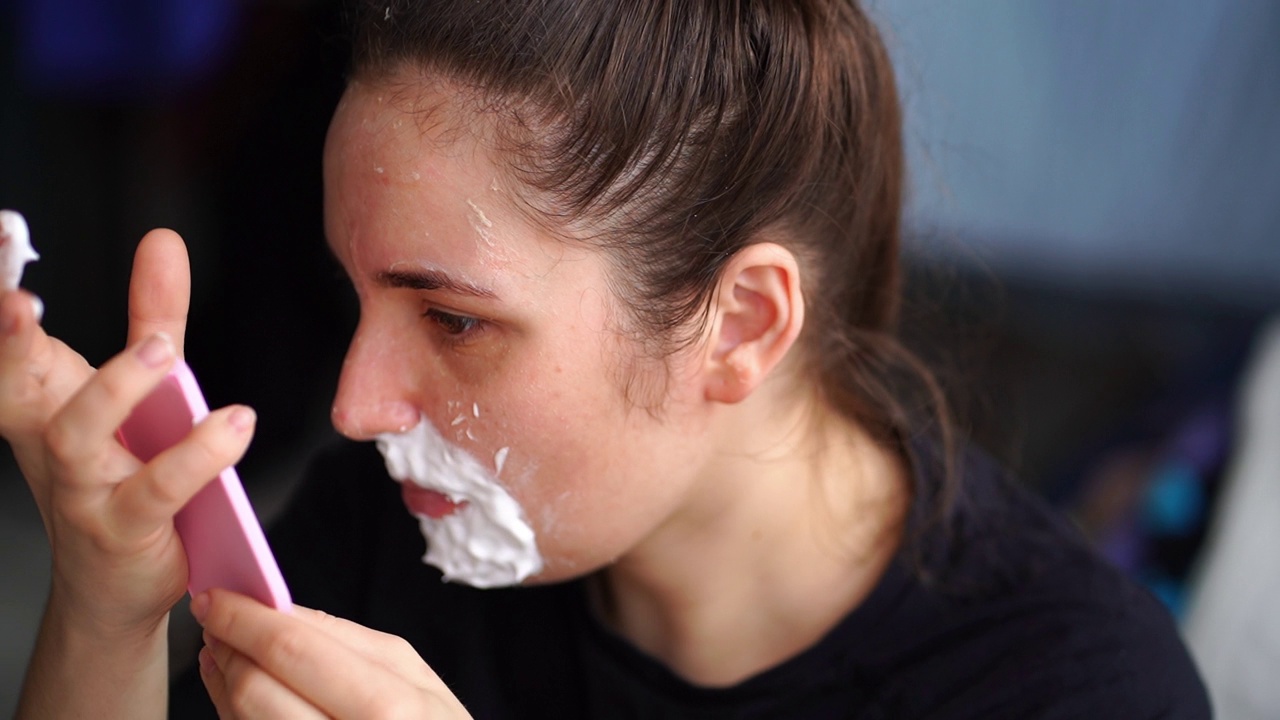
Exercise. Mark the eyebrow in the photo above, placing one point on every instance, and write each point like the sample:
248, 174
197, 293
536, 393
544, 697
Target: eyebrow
424, 279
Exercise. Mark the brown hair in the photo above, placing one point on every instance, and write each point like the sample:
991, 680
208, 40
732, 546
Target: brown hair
689, 129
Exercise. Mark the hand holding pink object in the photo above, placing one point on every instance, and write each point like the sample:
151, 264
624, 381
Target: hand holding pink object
224, 543
118, 562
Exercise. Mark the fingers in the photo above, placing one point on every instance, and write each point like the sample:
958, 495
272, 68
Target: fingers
159, 288
256, 693
89, 419
37, 372
174, 476
389, 650
17, 332
316, 665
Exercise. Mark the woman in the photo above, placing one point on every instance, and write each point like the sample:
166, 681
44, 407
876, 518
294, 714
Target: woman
628, 282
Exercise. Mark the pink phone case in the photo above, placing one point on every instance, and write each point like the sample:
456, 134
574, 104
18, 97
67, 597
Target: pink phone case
223, 539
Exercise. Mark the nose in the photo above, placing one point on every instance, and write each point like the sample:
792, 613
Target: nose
373, 395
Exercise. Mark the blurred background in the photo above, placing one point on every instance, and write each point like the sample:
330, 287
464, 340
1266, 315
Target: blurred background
1094, 256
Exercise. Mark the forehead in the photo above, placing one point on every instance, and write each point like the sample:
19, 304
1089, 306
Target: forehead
407, 166
410, 176
406, 112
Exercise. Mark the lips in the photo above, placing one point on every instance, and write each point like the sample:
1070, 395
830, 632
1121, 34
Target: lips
431, 503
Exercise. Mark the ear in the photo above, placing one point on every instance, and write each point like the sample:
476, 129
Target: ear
755, 318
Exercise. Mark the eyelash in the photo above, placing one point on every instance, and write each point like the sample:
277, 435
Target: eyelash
456, 328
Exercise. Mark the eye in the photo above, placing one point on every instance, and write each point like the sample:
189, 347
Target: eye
451, 324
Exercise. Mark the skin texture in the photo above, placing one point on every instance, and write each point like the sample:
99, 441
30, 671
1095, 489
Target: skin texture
731, 517
541, 364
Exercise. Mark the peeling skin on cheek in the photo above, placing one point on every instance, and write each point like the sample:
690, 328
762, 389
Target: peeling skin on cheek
463, 419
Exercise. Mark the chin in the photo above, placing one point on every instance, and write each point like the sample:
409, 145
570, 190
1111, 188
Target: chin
559, 570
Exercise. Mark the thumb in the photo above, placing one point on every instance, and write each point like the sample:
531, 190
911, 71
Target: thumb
159, 288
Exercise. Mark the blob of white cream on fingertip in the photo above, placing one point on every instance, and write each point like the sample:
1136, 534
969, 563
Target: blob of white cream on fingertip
15, 248
15, 252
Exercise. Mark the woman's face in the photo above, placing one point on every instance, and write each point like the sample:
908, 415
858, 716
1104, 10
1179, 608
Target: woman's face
498, 334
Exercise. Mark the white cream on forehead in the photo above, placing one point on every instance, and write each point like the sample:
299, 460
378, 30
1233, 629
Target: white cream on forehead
480, 223
15, 248
486, 543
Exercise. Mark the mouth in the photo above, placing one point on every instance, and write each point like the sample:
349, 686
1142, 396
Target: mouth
431, 503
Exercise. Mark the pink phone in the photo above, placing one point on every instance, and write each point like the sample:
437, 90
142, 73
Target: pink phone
225, 545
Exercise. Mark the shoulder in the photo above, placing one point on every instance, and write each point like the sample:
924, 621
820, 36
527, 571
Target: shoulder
1019, 617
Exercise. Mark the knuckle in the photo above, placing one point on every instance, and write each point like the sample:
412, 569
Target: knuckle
162, 490
283, 648
110, 389
101, 541
198, 456
399, 648
204, 452
92, 533
404, 706
215, 447
246, 693
384, 708
397, 644
59, 439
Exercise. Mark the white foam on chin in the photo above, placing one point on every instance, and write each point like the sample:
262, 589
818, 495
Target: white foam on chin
486, 543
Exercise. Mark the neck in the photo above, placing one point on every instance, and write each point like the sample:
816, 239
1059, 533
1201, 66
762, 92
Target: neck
791, 526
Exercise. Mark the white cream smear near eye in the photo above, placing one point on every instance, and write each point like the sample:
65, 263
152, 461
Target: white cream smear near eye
485, 543
15, 248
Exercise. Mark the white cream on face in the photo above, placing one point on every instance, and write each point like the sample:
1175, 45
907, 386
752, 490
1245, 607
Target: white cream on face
15, 248
485, 543
481, 223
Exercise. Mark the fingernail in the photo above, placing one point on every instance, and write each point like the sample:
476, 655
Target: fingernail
206, 660
156, 350
200, 607
242, 418
37, 308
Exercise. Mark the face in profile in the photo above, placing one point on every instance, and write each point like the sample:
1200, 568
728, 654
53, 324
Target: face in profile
508, 340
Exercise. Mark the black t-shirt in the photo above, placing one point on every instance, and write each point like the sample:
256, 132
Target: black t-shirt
1006, 615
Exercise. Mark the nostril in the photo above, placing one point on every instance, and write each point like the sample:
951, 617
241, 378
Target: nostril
367, 420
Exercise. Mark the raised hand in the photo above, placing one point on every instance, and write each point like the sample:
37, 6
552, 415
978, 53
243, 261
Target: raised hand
118, 564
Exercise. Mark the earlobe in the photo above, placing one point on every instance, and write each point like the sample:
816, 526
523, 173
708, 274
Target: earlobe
756, 317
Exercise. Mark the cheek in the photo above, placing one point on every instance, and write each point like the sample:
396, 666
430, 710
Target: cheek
558, 438
592, 483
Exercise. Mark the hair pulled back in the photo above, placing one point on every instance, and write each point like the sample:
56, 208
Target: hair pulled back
685, 130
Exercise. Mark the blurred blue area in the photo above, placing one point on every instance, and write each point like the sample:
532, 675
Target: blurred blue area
1126, 146
121, 49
